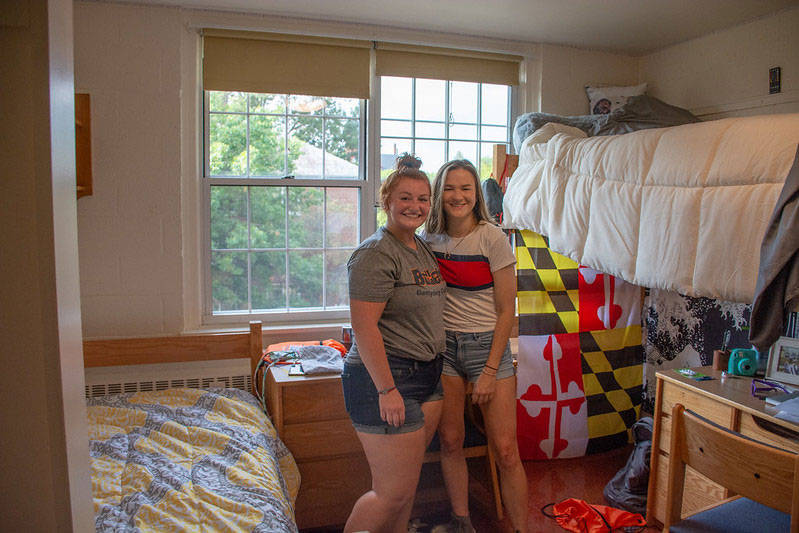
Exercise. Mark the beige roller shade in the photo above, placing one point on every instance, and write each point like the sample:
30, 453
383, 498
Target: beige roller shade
277, 63
447, 64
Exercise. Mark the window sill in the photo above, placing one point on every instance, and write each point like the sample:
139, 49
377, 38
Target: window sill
310, 331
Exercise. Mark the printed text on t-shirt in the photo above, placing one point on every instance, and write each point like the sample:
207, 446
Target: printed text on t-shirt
426, 277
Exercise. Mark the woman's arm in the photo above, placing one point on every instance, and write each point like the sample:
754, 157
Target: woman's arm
504, 302
364, 317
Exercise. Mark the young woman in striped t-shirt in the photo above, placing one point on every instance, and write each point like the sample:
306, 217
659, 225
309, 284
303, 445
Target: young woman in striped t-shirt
476, 260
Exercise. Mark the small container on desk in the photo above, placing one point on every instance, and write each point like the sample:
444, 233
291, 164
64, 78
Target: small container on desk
346, 336
721, 359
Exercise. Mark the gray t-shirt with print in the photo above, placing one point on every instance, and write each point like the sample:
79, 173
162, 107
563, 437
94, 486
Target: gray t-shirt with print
382, 269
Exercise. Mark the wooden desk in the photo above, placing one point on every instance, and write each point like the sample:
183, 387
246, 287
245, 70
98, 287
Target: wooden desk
727, 402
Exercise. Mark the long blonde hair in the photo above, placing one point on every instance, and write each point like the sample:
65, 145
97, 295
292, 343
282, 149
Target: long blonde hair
437, 219
407, 166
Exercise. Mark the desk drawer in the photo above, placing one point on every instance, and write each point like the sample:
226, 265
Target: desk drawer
313, 440
313, 401
750, 428
710, 409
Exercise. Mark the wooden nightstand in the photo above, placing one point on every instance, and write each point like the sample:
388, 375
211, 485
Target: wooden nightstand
308, 413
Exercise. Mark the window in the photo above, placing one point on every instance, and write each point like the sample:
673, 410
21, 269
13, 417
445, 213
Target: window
289, 185
284, 179
441, 120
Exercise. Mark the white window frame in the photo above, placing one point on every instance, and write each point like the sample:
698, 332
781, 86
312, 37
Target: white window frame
194, 215
300, 315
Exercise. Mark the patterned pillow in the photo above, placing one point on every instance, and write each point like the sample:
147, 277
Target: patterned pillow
603, 100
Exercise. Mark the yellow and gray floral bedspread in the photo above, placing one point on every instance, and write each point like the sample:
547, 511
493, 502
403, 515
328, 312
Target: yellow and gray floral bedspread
189, 460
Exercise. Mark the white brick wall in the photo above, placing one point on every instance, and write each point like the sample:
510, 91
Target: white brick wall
128, 59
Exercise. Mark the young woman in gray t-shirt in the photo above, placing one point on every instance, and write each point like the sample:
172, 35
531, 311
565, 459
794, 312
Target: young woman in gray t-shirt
391, 375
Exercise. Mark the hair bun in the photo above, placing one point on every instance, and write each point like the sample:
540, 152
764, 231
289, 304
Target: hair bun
408, 161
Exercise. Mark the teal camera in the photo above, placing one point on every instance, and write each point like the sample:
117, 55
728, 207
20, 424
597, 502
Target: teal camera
743, 362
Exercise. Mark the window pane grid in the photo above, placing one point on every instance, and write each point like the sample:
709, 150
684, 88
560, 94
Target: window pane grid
249, 144
335, 123
324, 248
265, 265
286, 270
474, 117
247, 254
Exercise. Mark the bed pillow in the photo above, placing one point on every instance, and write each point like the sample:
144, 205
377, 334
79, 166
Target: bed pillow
603, 100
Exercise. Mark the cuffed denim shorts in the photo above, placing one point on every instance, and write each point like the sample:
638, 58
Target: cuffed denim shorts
418, 382
467, 354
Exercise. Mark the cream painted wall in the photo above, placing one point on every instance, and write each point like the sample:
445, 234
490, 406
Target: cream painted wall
726, 73
128, 58
565, 71
44, 456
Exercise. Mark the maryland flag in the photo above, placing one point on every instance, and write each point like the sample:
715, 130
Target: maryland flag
580, 362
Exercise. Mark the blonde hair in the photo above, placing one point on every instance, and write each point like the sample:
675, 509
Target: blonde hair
407, 166
437, 219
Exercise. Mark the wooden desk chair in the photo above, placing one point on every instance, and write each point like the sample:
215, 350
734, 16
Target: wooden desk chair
474, 416
764, 478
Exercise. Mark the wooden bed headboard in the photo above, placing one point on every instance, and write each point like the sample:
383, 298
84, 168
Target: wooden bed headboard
175, 349
503, 165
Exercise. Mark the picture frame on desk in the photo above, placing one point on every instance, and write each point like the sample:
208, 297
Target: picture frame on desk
783, 361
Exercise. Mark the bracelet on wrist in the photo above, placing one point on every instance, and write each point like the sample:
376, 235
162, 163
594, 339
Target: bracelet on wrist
489, 373
491, 367
386, 390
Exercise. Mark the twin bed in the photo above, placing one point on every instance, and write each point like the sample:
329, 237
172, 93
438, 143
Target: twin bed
188, 458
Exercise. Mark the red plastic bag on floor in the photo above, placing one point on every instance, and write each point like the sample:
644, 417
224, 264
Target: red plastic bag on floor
581, 517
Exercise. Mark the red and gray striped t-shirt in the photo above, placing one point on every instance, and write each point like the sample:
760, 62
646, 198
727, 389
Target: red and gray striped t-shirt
467, 265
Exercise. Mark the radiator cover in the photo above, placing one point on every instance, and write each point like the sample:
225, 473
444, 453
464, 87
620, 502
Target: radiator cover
229, 373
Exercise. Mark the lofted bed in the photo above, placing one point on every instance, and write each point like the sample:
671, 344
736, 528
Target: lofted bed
185, 454
682, 208
652, 221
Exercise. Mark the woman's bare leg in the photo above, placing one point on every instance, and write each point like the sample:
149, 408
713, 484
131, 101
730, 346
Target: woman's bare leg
432, 412
395, 462
450, 433
500, 422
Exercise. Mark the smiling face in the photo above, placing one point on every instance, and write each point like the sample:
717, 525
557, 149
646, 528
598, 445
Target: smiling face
408, 205
459, 195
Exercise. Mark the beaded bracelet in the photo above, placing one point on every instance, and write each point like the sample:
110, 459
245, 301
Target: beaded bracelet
386, 390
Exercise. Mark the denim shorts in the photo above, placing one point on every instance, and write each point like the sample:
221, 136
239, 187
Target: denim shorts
418, 382
467, 354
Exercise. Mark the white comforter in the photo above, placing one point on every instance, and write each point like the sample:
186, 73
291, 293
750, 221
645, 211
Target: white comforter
681, 208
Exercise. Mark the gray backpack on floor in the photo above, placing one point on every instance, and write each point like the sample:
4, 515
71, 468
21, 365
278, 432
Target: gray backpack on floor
627, 489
